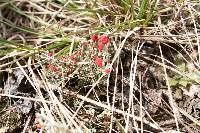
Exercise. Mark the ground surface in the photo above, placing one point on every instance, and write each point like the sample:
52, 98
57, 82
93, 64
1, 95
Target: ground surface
99, 66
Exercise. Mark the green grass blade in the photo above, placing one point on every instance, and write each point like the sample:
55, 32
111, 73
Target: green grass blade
143, 8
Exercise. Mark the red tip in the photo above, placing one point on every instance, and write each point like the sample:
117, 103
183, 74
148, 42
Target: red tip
104, 39
94, 37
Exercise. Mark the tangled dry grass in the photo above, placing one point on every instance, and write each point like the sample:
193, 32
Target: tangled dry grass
153, 57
